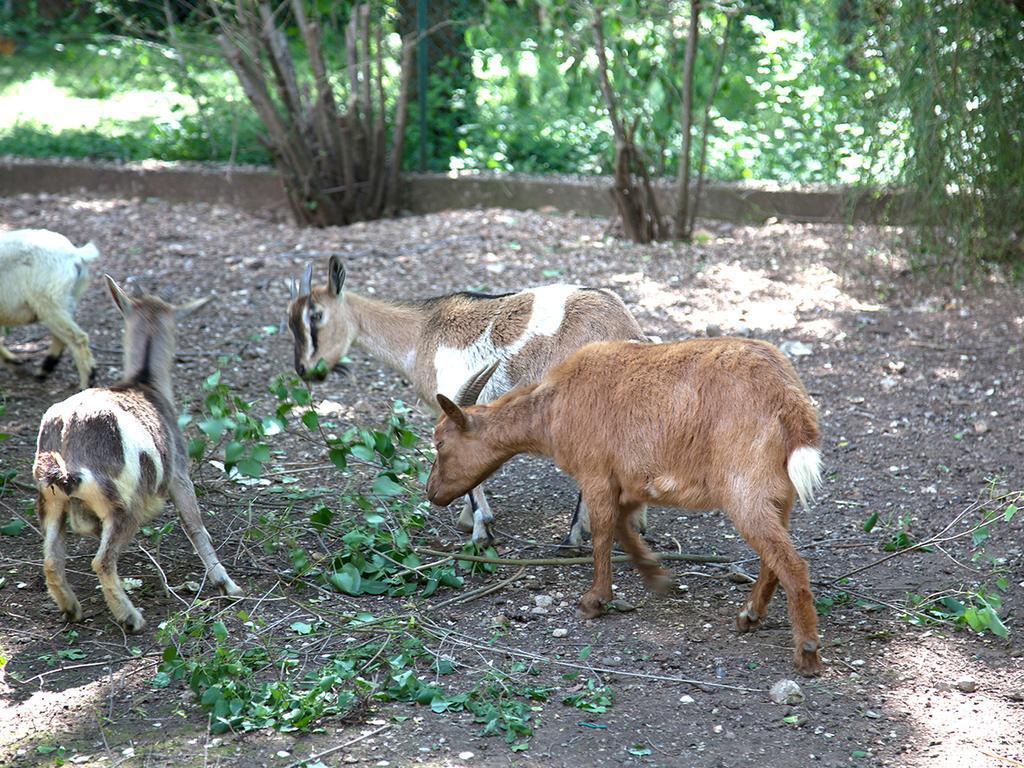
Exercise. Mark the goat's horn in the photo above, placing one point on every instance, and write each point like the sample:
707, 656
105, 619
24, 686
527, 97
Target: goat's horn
471, 390
307, 279
293, 288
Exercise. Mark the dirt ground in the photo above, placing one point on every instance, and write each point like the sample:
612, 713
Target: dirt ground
921, 394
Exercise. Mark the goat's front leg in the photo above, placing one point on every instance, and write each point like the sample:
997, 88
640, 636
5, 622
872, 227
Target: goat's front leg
482, 517
183, 494
579, 528
51, 518
603, 507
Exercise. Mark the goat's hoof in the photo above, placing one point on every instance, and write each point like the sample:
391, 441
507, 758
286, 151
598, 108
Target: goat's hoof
133, 623
590, 607
568, 548
659, 582
807, 659
92, 378
748, 620
462, 525
230, 589
73, 613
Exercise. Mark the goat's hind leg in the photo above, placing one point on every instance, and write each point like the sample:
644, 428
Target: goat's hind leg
67, 332
52, 358
655, 577
183, 494
118, 528
756, 608
52, 510
761, 526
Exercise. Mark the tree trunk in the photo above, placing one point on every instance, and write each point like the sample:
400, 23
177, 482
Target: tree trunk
683, 230
333, 160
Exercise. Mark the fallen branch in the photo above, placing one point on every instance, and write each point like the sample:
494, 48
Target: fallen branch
469, 641
478, 593
669, 556
938, 538
335, 748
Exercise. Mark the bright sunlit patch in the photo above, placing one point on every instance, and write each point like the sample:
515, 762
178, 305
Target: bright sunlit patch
952, 728
40, 101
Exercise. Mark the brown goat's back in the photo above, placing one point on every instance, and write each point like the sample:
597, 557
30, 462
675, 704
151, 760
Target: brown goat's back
681, 423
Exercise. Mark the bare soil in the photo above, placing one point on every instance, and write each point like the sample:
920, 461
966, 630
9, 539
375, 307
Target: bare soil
921, 393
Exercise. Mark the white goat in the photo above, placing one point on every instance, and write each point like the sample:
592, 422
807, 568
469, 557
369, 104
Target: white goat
701, 424
44, 276
107, 458
439, 343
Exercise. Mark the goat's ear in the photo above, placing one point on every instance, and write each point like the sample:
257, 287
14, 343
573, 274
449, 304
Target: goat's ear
336, 275
121, 299
456, 414
184, 310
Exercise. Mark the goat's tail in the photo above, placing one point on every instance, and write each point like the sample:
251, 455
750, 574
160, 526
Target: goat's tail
50, 471
800, 420
804, 470
89, 252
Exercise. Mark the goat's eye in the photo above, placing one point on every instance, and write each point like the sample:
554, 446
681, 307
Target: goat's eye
316, 316
440, 444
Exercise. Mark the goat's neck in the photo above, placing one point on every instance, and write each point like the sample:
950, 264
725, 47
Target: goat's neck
518, 422
387, 331
149, 355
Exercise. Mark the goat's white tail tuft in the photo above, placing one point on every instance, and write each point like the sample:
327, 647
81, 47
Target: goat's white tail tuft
89, 252
804, 470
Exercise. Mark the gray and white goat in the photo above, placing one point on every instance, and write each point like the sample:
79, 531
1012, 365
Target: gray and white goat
44, 276
108, 458
438, 344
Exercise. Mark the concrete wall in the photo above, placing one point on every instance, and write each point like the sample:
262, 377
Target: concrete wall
259, 190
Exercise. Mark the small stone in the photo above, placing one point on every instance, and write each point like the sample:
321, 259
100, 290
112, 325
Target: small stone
543, 601
611, 661
980, 427
465, 755
967, 684
713, 329
686, 699
872, 714
795, 349
742, 330
283, 753
786, 692
897, 366
888, 383
560, 632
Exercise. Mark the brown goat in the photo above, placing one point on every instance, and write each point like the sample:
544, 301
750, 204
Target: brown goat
701, 424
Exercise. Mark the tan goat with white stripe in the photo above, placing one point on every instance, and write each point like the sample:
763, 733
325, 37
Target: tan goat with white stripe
108, 457
439, 343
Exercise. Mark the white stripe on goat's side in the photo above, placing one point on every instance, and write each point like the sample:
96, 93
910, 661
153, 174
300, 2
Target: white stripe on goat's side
454, 365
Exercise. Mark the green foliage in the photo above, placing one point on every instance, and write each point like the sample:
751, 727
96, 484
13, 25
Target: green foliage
957, 93
592, 697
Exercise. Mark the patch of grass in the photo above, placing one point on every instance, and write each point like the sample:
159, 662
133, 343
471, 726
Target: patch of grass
124, 99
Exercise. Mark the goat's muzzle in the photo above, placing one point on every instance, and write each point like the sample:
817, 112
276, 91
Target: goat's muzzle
437, 494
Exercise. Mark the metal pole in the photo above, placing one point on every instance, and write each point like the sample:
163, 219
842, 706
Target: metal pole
421, 76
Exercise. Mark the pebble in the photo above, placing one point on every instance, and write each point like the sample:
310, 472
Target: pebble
713, 330
465, 755
786, 692
795, 349
980, 427
967, 684
560, 632
888, 383
686, 699
543, 601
